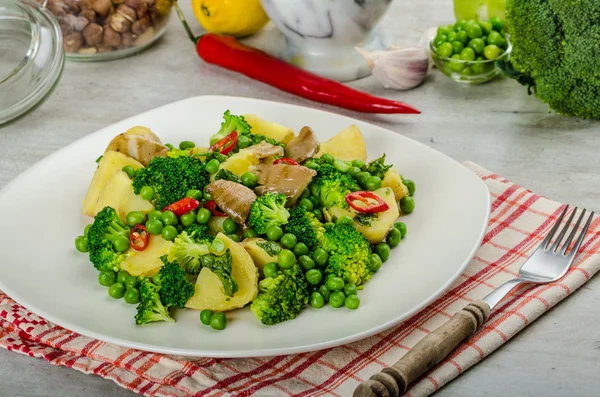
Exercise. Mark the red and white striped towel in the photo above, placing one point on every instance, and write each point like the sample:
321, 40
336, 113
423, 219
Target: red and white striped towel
519, 221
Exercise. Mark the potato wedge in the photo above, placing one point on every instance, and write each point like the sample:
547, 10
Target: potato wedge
145, 132
147, 262
347, 145
118, 193
269, 129
240, 162
208, 290
110, 163
392, 180
256, 248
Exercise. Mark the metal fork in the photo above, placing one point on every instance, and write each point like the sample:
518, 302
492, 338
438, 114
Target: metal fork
549, 263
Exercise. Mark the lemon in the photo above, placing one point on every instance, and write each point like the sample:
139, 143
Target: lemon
237, 18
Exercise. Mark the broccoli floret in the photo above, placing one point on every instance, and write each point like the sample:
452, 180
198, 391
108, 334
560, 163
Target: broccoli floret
555, 52
268, 210
171, 178
349, 254
174, 288
365, 219
199, 232
270, 247
106, 228
231, 123
227, 175
258, 138
378, 167
174, 153
331, 186
306, 227
150, 309
281, 297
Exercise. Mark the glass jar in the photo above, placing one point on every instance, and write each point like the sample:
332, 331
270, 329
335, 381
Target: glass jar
95, 30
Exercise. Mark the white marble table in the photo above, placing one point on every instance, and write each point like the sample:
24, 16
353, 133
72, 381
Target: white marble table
496, 125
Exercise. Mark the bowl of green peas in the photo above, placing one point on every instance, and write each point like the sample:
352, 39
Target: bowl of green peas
468, 51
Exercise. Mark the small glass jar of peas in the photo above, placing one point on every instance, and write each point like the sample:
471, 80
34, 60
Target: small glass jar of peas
468, 51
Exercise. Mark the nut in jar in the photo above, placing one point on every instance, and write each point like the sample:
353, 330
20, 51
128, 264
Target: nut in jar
99, 26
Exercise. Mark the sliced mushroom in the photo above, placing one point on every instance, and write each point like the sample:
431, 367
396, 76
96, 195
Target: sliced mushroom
303, 146
265, 150
138, 147
232, 198
290, 180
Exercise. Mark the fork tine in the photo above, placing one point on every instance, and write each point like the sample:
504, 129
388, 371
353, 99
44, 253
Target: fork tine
554, 229
581, 236
563, 231
573, 232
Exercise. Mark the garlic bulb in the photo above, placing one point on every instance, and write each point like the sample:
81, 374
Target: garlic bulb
399, 69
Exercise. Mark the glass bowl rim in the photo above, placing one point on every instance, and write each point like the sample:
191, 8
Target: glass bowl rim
483, 61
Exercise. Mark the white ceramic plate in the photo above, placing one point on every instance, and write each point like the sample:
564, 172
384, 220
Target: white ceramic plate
40, 268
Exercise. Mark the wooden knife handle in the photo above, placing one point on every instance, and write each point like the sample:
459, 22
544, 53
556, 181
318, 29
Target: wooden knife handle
431, 350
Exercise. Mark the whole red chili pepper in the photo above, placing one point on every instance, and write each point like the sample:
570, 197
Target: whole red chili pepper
370, 208
229, 53
183, 206
139, 238
225, 145
212, 207
286, 160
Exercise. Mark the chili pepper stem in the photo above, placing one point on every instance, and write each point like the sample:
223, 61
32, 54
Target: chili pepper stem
184, 22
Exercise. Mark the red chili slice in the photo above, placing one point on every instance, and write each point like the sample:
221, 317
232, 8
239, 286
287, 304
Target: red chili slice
225, 145
139, 238
364, 197
212, 207
286, 160
183, 206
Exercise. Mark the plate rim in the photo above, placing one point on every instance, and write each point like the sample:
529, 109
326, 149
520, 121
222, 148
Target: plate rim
261, 352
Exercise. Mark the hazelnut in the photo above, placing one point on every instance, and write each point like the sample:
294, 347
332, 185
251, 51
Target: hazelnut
107, 21
84, 4
57, 8
127, 12
66, 28
141, 25
93, 34
111, 38
140, 7
119, 23
73, 5
73, 42
118, 2
127, 39
102, 7
89, 14
149, 3
81, 23
88, 50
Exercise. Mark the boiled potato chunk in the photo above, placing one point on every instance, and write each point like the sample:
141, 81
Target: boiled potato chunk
147, 262
118, 193
347, 145
258, 253
209, 289
377, 228
269, 129
110, 163
143, 131
241, 162
392, 180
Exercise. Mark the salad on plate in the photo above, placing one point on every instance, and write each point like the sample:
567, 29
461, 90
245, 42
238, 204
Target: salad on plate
260, 217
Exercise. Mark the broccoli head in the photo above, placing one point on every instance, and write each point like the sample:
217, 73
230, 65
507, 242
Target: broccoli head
231, 123
258, 138
555, 53
378, 167
227, 175
349, 254
306, 227
106, 228
151, 309
331, 186
174, 288
171, 178
281, 297
268, 210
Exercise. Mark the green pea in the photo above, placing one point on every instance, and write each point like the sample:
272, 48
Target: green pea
492, 51
320, 257
383, 250
477, 45
131, 282
205, 316
316, 202
203, 216
375, 262
212, 167
301, 249
81, 244
217, 246
451, 36
478, 68
318, 214
474, 31
169, 218
116, 290
122, 276
438, 41
132, 296
86, 230
335, 283
121, 243
497, 24
485, 26
155, 215
306, 262
352, 302
194, 193
311, 164
401, 226
350, 289
147, 193
107, 278
407, 204
314, 276
467, 54
270, 269
445, 50
443, 30
362, 178
323, 290
274, 233
305, 194
393, 238
495, 38
410, 185
316, 300
373, 183
463, 37
249, 233
169, 232
345, 220
306, 204
187, 145
244, 142
471, 22
135, 218
234, 237
154, 227
460, 25
230, 226
456, 65
188, 219
336, 299
249, 179
358, 163
327, 158
341, 166
457, 46
218, 321
129, 171
286, 259
354, 171
289, 241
